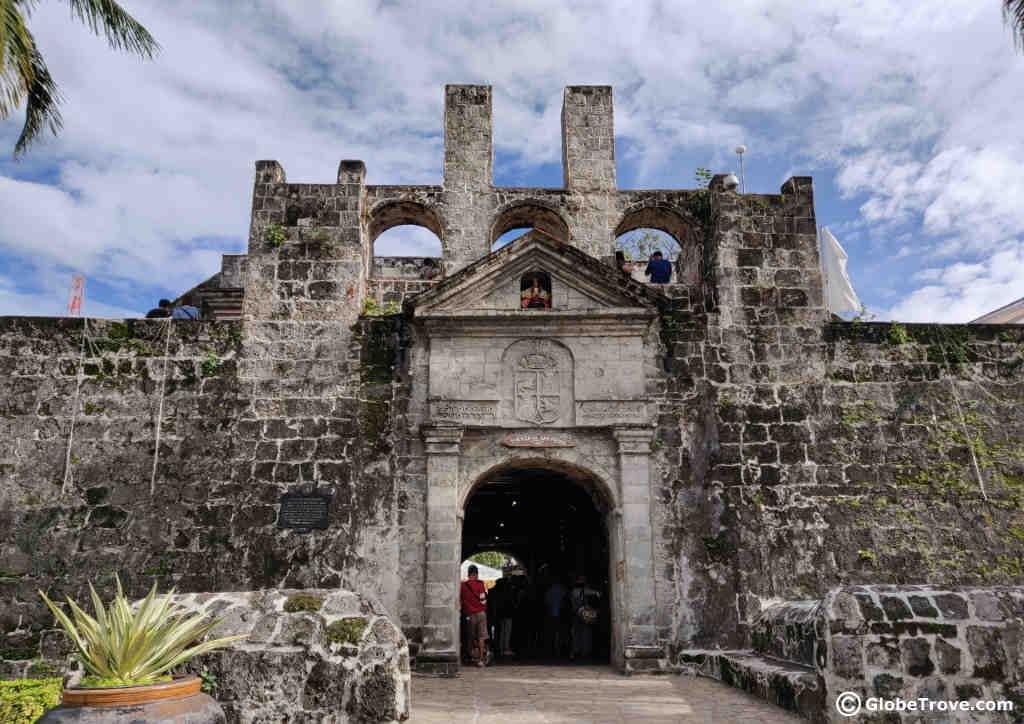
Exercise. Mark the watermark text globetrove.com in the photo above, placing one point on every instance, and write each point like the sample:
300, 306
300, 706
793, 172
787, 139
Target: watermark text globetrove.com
849, 703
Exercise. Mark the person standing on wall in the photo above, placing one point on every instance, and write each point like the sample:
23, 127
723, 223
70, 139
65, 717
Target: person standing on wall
161, 311
474, 607
658, 269
185, 311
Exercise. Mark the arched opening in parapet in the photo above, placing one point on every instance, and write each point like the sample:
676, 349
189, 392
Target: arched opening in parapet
405, 240
643, 230
558, 522
520, 219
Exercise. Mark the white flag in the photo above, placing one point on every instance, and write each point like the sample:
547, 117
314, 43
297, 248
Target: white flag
839, 291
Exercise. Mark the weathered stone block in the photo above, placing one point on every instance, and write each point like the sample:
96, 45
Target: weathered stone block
895, 608
953, 606
847, 656
917, 657
986, 648
948, 657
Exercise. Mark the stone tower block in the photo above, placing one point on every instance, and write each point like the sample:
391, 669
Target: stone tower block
588, 167
588, 138
307, 251
468, 138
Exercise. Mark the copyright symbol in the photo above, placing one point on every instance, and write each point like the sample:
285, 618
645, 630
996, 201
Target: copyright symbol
848, 703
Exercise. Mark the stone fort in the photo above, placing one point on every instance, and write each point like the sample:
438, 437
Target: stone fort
796, 505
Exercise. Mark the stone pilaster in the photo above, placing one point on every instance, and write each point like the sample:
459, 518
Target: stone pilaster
642, 651
440, 652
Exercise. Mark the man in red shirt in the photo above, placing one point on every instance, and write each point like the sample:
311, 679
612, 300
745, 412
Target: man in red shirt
473, 595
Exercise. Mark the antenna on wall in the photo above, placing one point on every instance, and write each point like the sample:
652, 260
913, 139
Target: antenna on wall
740, 150
75, 295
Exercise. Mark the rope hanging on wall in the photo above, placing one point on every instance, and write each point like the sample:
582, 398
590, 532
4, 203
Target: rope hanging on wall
68, 477
962, 419
160, 409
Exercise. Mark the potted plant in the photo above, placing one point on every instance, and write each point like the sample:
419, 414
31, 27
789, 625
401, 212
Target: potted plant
128, 656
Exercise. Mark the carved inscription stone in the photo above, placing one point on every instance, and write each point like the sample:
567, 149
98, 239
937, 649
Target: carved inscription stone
482, 412
305, 508
609, 412
537, 439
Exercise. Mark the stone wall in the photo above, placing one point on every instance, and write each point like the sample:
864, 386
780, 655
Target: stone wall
406, 267
310, 654
314, 655
901, 463
879, 646
248, 412
395, 291
910, 642
797, 455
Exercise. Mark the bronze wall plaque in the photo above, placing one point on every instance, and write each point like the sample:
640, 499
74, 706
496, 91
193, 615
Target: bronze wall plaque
305, 508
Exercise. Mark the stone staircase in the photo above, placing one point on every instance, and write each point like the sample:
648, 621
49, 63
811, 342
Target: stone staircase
780, 665
790, 685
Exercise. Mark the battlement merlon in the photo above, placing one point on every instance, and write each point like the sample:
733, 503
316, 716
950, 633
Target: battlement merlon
468, 138
588, 138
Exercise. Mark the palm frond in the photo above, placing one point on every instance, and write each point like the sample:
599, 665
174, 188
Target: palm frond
123, 32
16, 48
1013, 15
41, 108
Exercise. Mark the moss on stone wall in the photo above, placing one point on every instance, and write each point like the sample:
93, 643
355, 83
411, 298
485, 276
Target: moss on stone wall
303, 602
346, 631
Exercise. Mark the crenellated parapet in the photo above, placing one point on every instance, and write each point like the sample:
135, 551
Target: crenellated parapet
311, 245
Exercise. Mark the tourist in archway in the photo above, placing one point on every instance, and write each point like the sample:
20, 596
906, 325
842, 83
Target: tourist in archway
501, 605
473, 595
584, 601
555, 604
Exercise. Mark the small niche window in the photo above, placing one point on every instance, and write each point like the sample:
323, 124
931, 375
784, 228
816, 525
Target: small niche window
535, 290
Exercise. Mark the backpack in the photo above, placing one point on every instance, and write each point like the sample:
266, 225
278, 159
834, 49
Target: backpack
585, 612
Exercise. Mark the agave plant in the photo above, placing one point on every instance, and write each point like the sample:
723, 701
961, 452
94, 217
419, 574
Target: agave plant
135, 647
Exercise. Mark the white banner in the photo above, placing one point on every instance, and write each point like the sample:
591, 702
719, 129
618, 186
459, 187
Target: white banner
839, 293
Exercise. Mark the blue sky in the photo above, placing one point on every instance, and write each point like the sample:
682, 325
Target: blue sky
907, 113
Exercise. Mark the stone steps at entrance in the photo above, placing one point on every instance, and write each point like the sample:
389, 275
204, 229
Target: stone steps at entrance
524, 694
792, 686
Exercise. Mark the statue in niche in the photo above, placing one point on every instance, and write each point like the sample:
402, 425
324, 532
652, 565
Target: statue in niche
535, 291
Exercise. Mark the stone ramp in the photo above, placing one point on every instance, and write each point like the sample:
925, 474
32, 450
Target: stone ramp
581, 695
784, 683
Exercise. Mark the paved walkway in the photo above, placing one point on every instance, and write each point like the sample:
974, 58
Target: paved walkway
597, 694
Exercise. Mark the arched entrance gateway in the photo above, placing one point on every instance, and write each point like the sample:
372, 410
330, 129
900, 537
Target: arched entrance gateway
537, 432
555, 520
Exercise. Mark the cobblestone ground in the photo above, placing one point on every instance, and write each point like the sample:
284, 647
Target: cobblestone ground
555, 694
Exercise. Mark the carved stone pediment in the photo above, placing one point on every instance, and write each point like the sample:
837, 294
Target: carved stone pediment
494, 286
494, 363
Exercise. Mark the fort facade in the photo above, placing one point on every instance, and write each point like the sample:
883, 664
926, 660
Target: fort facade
716, 453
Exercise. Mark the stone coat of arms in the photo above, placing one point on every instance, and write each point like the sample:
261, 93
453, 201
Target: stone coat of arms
537, 388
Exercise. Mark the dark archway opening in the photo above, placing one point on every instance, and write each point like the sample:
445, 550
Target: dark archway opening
556, 530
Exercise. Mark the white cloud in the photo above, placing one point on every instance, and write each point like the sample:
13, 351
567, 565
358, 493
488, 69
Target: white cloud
962, 292
911, 110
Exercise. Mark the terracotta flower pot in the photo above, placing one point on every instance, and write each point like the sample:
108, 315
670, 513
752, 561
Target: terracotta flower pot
168, 701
